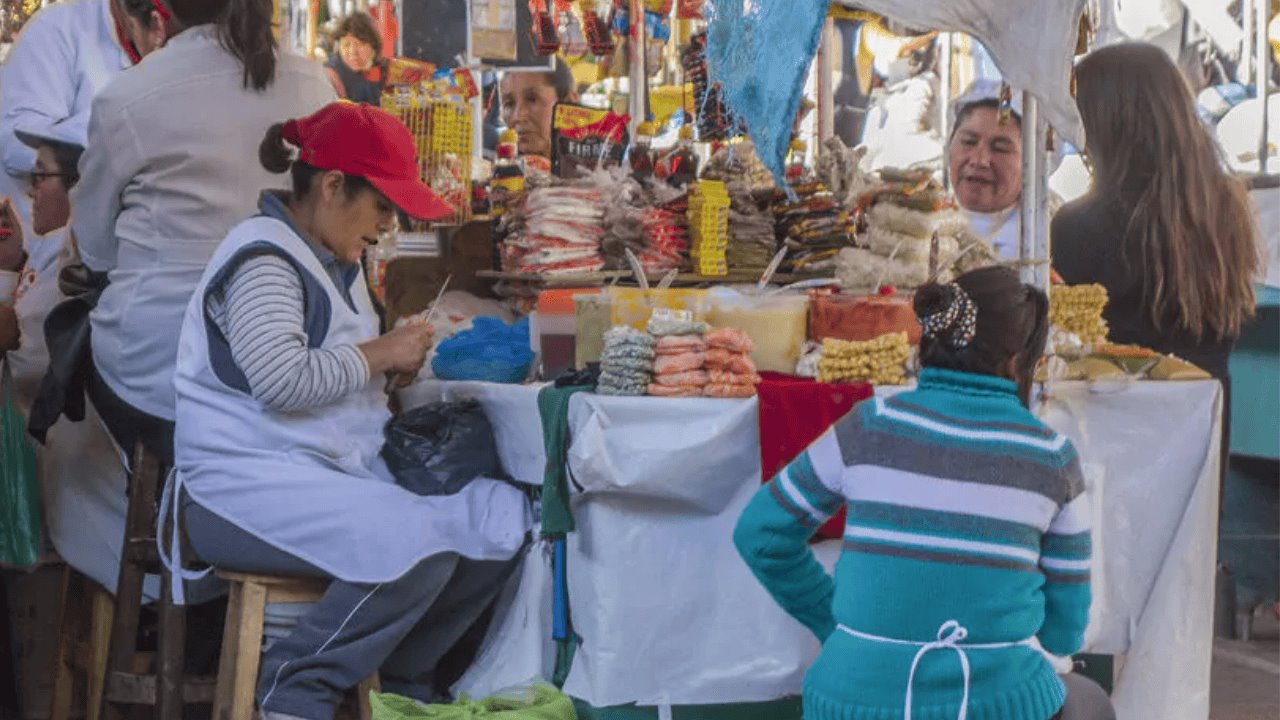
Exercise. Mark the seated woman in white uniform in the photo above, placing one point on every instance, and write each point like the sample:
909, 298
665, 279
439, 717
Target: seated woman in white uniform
984, 165
281, 404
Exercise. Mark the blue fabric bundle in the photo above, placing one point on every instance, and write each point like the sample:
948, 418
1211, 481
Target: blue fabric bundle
759, 52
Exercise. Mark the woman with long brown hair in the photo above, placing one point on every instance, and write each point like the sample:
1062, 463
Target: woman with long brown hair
1165, 228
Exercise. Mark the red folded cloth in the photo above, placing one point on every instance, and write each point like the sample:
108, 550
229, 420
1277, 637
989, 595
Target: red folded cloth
794, 412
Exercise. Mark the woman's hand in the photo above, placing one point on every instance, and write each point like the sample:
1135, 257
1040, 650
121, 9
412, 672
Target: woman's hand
402, 351
11, 254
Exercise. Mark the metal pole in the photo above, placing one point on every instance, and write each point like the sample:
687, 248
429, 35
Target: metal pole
639, 78
1262, 76
1029, 211
946, 47
1244, 72
1042, 248
826, 94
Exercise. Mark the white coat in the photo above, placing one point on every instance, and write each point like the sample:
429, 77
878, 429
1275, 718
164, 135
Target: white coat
171, 166
311, 483
82, 477
65, 54
1001, 229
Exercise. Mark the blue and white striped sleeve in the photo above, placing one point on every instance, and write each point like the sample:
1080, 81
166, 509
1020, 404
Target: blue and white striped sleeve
260, 311
774, 531
1066, 552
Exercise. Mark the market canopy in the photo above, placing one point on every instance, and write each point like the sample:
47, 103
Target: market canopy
1033, 43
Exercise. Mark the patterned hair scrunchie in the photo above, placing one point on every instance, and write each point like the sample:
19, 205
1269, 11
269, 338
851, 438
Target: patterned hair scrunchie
959, 320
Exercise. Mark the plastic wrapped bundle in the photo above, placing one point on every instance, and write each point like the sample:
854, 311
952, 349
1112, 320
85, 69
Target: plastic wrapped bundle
558, 230
626, 365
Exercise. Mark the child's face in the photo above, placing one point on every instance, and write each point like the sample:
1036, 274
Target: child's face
50, 206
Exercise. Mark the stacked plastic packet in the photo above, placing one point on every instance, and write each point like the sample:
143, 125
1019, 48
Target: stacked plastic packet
626, 364
730, 371
709, 228
666, 239
752, 238
813, 226
559, 232
680, 357
905, 213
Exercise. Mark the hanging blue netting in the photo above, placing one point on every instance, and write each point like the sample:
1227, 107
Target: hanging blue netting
759, 51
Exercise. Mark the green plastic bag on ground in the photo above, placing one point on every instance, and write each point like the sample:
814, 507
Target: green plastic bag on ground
535, 702
19, 488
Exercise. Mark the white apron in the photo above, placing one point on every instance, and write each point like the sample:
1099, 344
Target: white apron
311, 482
82, 479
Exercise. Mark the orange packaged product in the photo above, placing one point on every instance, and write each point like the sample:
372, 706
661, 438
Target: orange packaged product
677, 344
674, 390
730, 339
720, 377
729, 391
694, 378
683, 362
720, 359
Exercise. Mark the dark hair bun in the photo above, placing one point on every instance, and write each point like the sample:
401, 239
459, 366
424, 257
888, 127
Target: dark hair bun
931, 299
273, 153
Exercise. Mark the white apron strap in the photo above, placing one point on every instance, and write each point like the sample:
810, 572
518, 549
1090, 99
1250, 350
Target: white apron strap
950, 636
170, 502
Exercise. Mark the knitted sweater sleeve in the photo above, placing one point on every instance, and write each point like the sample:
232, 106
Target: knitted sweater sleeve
773, 534
1065, 558
260, 311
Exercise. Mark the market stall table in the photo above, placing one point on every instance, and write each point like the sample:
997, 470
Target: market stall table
669, 615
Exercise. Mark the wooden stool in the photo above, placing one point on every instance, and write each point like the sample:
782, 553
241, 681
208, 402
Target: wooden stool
167, 689
81, 650
242, 639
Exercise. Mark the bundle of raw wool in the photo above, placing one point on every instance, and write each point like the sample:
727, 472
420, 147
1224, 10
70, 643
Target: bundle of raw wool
626, 364
730, 370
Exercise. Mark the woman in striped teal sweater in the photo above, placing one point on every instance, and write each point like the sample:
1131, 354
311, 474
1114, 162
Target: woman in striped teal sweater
967, 549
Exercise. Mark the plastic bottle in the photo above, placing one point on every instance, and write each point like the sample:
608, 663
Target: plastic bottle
641, 156
508, 175
682, 163
795, 163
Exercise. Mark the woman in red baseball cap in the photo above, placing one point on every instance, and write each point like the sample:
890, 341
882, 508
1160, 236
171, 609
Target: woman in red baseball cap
280, 410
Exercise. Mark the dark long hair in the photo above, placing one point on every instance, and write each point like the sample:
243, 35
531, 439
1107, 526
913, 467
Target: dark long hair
245, 29
1012, 322
1190, 233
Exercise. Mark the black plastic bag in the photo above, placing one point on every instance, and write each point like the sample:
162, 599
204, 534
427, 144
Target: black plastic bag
440, 447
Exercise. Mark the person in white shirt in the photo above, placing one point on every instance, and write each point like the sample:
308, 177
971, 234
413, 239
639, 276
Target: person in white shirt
82, 479
64, 55
167, 173
984, 161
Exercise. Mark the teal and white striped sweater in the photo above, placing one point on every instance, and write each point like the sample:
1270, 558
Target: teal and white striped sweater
962, 506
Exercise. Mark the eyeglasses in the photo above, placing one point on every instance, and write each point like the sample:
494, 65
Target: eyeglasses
38, 177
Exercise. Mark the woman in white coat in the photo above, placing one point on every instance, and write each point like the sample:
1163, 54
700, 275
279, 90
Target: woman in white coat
164, 179
281, 406
984, 160
82, 479
65, 54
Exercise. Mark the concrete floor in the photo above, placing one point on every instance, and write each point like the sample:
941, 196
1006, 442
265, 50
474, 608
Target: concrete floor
1245, 681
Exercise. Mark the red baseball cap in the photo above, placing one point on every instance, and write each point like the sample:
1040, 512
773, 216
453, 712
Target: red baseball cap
370, 143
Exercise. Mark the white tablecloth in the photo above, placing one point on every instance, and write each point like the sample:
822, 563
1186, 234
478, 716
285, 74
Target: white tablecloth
670, 615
